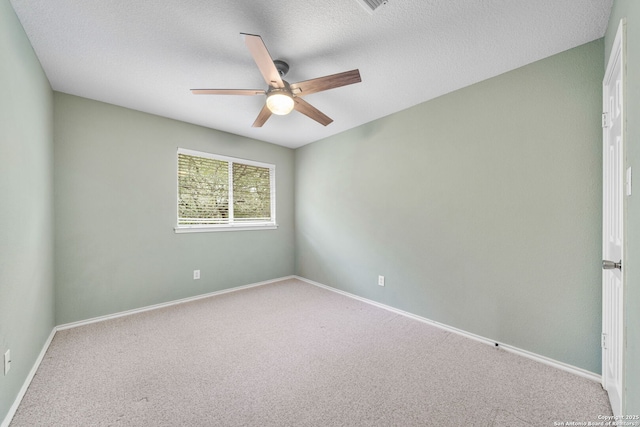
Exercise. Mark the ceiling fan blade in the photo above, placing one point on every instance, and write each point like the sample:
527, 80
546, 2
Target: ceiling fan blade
310, 111
228, 91
263, 60
263, 116
319, 84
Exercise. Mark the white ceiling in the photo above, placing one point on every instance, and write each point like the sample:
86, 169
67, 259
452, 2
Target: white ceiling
147, 54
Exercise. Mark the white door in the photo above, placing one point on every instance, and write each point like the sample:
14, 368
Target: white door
613, 224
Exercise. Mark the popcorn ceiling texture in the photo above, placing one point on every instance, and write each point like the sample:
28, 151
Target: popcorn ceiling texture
146, 55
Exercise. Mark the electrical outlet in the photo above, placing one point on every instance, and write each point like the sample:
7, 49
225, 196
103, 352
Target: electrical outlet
381, 280
7, 361
196, 274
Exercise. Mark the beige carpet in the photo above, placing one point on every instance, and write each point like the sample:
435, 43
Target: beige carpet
292, 354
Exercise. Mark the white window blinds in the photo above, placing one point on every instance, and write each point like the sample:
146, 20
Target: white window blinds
215, 191
251, 193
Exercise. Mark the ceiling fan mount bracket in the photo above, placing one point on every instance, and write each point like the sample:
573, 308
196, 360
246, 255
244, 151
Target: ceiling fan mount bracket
281, 66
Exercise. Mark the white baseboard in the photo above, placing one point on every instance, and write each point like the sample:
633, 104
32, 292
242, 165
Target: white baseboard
165, 304
27, 381
524, 353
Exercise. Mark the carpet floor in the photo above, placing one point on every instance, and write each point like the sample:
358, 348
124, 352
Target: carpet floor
292, 354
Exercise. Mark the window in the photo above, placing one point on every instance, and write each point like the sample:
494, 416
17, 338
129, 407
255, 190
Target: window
217, 193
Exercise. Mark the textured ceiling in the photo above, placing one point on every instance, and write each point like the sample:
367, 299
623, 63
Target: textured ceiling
147, 54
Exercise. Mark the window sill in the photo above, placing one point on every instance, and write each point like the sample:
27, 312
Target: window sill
212, 228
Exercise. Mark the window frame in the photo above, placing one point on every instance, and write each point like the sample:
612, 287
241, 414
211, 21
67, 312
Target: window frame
232, 225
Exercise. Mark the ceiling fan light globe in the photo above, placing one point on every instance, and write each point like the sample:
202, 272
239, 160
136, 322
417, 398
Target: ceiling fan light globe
280, 103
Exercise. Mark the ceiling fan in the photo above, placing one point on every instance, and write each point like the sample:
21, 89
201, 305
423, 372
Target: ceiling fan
283, 97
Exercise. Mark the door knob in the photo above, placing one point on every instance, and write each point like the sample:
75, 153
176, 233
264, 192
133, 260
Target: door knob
610, 265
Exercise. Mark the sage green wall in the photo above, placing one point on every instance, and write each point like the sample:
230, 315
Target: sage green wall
481, 208
26, 206
630, 9
115, 209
